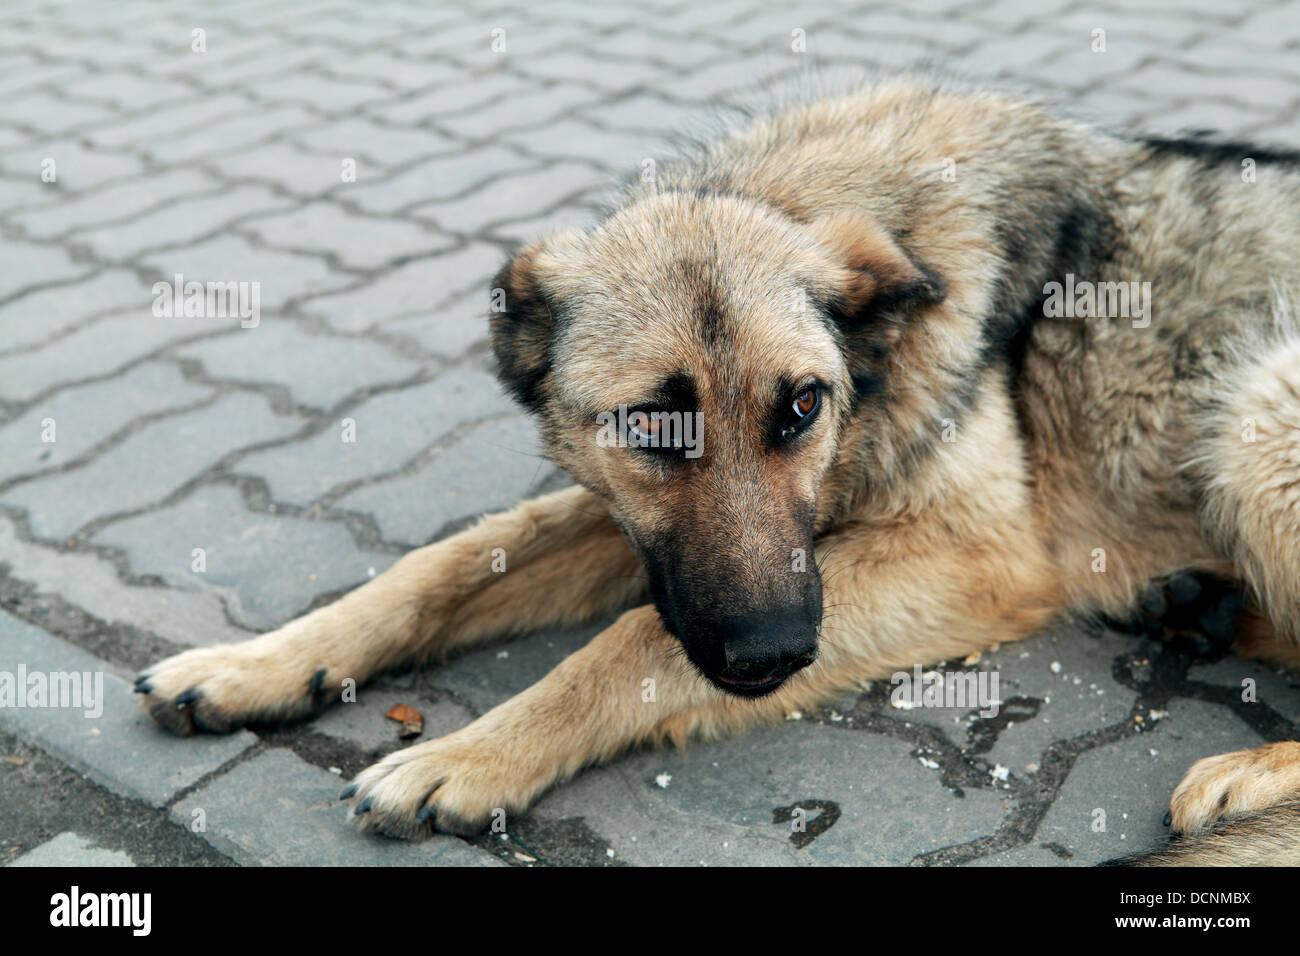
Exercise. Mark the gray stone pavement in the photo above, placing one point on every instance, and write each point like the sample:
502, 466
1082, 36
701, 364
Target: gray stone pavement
369, 167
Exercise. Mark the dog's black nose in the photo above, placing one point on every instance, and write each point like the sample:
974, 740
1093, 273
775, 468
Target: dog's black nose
761, 653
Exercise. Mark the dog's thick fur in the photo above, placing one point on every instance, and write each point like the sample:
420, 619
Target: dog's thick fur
975, 467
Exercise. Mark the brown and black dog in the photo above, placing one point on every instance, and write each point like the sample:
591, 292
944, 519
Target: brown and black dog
986, 365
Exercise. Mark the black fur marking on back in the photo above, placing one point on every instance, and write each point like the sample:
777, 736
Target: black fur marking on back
1074, 237
1199, 146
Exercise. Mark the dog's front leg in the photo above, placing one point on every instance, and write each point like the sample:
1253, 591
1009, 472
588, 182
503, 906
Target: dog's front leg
897, 596
552, 561
628, 685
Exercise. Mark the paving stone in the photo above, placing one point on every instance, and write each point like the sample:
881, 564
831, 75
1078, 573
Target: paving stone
113, 203
443, 177
680, 51
410, 289
104, 344
719, 79
233, 133
90, 582
42, 314
362, 242
487, 676
721, 799
28, 264
148, 465
90, 46
296, 171
1225, 54
470, 41
17, 193
489, 468
1279, 691
251, 59
394, 71
179, 222
454, 98
1136, 777
1034, 854
461, 152
75, 167
25, 79
532, 109
1079, 697
1227, 119
49, 114
646, 112
450, 329
383, 145
277, 810
577, 138
71, 849
268, 568
362, 722
84, 416
321, 92
282, 276
519, 196
1031, 52
121, 748
319, 371
330, 27
129, 90
391, 428
156, 125
579, 13
568, 216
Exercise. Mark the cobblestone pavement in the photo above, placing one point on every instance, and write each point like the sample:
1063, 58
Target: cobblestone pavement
369, 166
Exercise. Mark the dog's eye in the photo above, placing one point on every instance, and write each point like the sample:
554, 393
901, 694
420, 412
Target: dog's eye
800, 412
644, 428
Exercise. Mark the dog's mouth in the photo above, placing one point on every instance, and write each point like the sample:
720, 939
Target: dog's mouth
749, 688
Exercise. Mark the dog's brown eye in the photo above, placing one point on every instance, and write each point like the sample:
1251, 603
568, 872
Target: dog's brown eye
643, 423
800, 412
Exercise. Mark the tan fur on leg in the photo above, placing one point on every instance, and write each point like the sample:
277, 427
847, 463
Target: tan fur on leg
1235, 784
565, 562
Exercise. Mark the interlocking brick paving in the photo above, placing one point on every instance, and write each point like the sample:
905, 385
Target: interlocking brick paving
370, 169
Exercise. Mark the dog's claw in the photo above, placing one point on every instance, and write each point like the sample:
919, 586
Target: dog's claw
142, 687
426, 813
1169, 817
349, 792
185, 699
362, 807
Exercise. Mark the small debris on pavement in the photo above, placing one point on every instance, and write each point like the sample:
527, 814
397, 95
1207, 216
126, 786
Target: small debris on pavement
412, 720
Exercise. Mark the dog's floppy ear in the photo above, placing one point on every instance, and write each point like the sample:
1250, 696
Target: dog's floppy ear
878, 276
524, 314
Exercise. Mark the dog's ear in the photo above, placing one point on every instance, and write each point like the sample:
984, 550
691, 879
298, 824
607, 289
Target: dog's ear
525, 308
877, 276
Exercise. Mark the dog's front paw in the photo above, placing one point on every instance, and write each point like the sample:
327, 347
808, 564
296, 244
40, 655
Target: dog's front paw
455, 784
1235, 783
219, 689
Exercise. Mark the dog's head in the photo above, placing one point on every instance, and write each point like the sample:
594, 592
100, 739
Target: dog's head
689, 360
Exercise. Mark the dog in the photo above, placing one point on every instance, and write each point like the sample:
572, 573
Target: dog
957, 366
